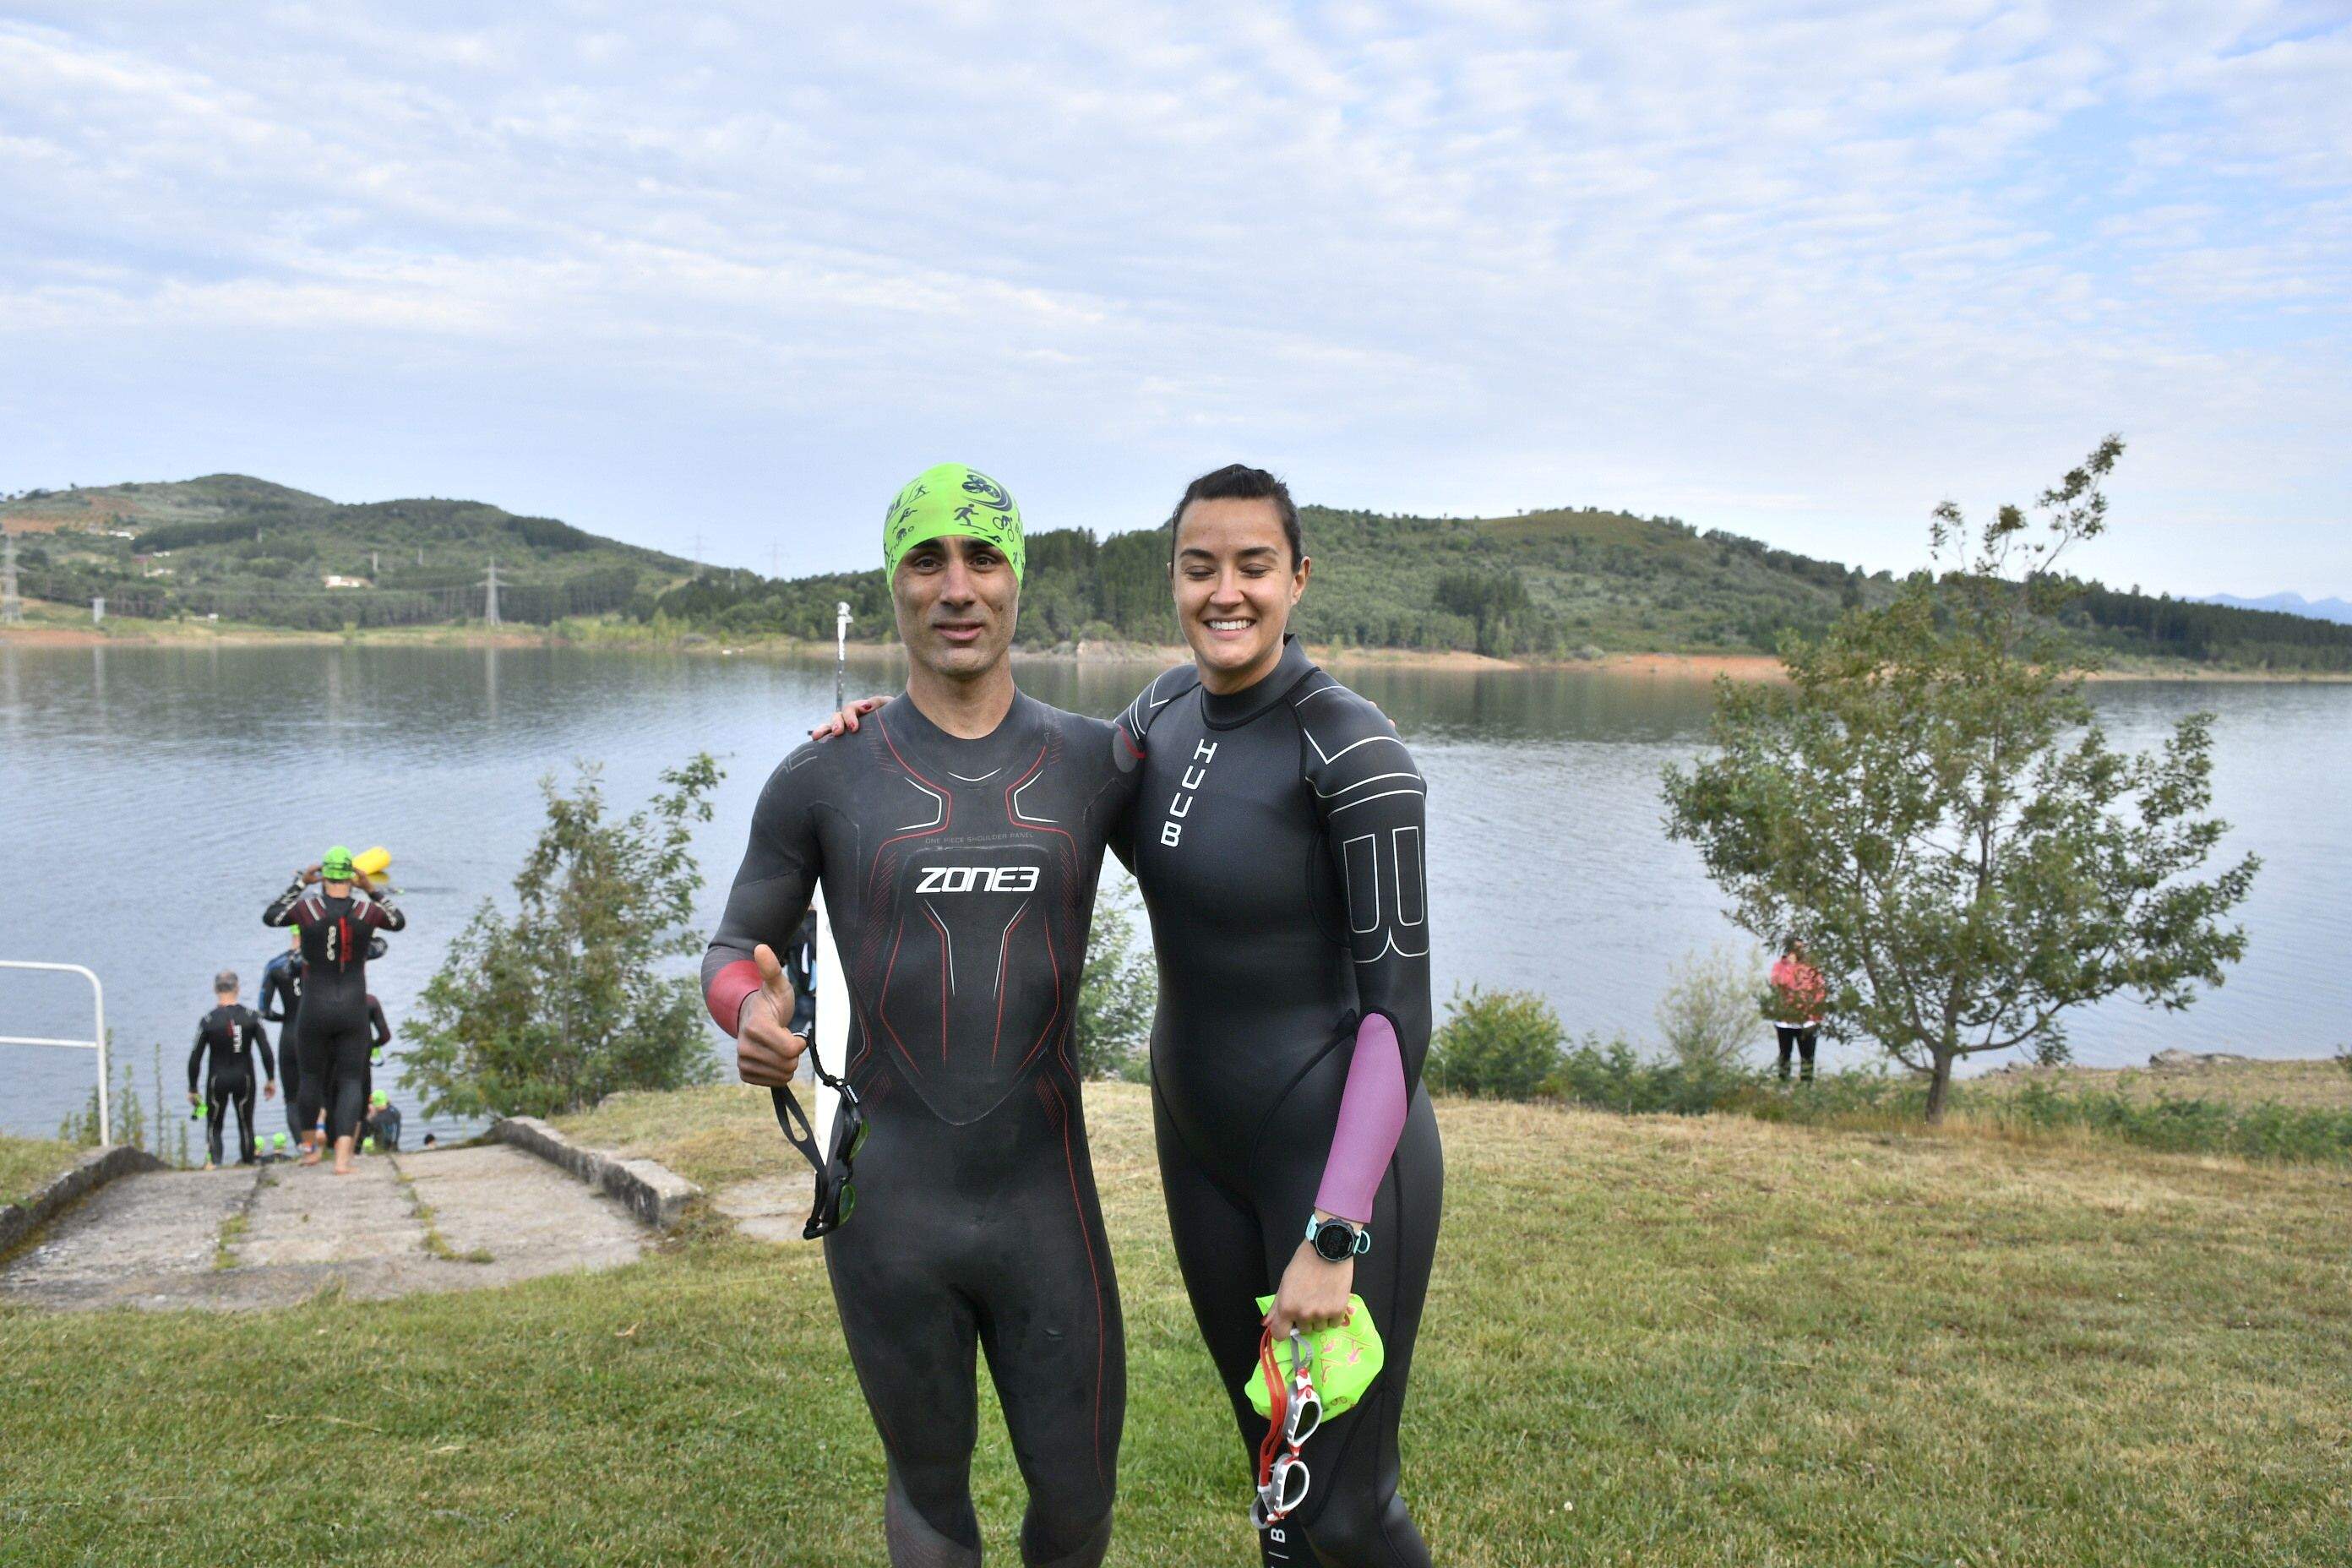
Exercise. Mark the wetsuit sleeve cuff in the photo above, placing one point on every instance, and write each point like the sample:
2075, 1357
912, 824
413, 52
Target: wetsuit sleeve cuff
1371, 1119
725, 993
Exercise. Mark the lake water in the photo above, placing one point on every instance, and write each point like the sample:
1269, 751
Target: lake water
153, 799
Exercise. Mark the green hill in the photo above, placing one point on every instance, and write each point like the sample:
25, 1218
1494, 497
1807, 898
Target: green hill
1559, 583
248, 550
1551, 583
1556, 582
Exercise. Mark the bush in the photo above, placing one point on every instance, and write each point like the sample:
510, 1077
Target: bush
1117, 993
1709, 1012
2265, 1132
576, 997
1502, 1045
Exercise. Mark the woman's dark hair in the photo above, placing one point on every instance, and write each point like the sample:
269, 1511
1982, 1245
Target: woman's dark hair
1238, 481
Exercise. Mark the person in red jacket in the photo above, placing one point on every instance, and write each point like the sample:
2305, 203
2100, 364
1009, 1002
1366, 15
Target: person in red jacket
1798, 993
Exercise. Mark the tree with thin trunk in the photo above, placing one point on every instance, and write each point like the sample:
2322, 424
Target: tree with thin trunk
587, 988
1930, 803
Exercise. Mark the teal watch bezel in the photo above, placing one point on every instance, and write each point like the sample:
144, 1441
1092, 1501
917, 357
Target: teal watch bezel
1360, 1243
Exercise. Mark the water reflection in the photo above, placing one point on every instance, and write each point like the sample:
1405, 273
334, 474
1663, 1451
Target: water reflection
128, 772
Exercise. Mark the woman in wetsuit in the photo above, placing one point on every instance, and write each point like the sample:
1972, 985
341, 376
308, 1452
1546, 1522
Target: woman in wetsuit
337, 922
1277, 836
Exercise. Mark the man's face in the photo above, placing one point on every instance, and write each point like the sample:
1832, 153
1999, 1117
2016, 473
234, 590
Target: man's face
958, 603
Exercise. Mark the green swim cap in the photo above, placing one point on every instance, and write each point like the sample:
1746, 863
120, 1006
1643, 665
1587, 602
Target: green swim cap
952, 499
335, 864
1345, 1360
381, 1098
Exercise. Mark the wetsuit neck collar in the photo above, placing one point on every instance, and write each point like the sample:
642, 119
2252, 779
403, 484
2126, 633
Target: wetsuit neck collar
1224, 709
902, 711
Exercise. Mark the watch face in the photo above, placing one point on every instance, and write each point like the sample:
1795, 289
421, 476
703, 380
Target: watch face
1335, 1242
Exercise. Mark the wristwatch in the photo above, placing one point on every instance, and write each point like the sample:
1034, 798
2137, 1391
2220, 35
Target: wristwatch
1336, 1240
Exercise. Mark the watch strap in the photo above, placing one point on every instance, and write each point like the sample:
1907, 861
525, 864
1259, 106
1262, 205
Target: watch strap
1360, 1234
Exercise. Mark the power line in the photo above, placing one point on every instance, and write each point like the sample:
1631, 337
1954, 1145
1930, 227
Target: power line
12, 609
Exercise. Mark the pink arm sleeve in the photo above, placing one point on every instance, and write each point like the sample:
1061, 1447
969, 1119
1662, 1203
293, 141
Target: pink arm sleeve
1371, 1119
728, 988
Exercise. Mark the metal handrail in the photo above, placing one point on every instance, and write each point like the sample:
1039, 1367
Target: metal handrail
97, 1041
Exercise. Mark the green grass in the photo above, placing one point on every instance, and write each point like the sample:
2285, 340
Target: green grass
1652, 1340
2278, 1111
28, 1164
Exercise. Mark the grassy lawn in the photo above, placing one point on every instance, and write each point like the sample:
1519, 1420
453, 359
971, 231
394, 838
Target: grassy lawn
27, 1165
1650, 1340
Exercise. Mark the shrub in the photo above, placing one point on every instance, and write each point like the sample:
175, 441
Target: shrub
1709, 1012
577, 995
1117, 993
1502, 1045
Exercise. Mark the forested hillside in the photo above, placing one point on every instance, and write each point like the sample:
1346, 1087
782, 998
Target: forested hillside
1547, 583
247, 549
1550, 582
1554, 583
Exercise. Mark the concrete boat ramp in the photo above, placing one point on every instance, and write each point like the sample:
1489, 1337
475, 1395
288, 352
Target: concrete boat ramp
274, 1234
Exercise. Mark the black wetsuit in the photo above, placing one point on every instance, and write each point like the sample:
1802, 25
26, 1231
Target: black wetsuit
281, 984
384, 1126
379, 1036
230, 1034
1278, 841
960, 878
333, 1037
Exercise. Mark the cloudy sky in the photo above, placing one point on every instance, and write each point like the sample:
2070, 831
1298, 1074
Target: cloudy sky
1795, 270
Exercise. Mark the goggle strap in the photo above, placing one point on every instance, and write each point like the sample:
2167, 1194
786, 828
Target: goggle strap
796, 1129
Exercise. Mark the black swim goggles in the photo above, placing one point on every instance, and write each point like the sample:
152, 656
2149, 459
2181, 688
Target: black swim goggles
836, 1193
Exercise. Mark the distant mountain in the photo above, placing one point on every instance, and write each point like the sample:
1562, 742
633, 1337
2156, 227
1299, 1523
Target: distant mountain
2335, 610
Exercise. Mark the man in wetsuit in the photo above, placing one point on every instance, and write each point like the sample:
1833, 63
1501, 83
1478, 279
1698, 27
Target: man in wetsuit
336, 921
383, 1123
958, 836
281, 1004
229, 1033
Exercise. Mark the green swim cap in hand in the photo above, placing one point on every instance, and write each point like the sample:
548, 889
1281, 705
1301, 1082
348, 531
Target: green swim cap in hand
952, 499
1345, 1361
335, 864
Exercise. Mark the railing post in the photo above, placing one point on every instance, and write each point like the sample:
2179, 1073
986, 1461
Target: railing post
98, 1041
